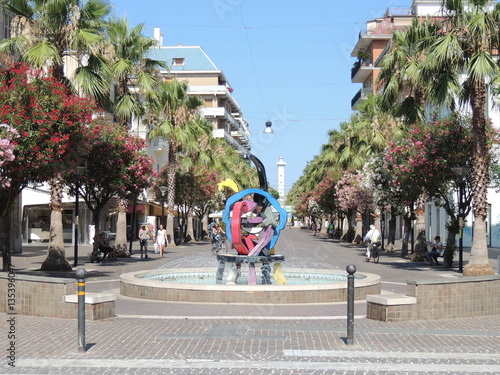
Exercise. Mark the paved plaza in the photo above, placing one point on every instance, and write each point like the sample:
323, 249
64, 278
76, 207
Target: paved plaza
148, 337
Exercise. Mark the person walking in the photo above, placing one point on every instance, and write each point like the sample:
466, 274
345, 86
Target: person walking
144, 235
330, 230
217, 236
161, 239
372, 237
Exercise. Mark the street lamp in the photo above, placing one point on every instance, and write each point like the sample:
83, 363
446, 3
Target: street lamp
78, 175
163, 189
268, 129
460, 172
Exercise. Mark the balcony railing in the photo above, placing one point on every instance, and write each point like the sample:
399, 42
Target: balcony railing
399, 11
360, 95
357, 66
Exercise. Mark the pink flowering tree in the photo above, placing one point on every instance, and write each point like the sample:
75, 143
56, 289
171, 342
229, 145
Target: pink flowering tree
50, 123
196, 191
324, 195
354, 199
117, 166
421, 162
7, 135
387, 195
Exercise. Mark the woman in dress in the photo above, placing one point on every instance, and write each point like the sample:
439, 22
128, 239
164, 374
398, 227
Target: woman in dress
161, 239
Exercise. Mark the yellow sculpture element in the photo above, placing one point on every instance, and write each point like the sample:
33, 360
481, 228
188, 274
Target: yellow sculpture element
278, 274
230, 184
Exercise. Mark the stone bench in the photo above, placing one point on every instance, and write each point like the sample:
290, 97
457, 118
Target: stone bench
429, 299
52, 297
391, 307
97, 305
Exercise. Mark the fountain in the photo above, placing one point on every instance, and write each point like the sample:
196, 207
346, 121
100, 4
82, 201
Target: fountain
253, 228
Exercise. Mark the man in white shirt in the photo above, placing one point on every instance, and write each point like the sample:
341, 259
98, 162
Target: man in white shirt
373, 236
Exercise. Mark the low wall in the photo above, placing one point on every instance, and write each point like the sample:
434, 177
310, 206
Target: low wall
49, 297
134, 285
438, 299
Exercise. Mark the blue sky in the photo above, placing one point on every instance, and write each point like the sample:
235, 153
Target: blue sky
288, 62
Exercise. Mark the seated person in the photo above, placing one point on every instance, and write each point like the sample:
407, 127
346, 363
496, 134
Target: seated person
437, 247
105, 248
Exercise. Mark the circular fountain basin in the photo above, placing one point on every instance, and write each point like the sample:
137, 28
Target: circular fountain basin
316, 286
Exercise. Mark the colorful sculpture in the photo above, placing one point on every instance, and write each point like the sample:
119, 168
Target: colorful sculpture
254, 219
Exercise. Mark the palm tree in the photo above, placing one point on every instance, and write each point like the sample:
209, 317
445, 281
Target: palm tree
51, 32
468, 53
176, 112
135, 78
406, 84
47, 34
404, 80
135, 74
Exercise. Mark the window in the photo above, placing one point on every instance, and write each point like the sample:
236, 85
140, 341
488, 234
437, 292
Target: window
177, 61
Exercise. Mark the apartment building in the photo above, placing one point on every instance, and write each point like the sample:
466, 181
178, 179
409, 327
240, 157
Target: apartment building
371, 46
192, 65
374, 41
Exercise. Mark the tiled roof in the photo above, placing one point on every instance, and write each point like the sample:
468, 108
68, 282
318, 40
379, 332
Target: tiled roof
194, 58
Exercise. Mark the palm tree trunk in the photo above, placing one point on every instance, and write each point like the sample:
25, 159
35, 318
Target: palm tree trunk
421, 242
169, 225
121, 244
56, 258
358, 234
190, 228
479, 263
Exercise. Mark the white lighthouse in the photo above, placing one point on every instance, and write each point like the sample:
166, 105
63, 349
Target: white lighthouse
281, 179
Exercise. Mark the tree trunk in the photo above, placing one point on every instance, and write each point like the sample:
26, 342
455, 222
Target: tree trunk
121, 244
190, 228
56, 258
479, 262
391, 238
5, 241
358, 233
450, 247
169, 225
421, 242
406, 237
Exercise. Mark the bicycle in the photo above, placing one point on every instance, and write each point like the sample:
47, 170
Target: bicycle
375, 252
222, 246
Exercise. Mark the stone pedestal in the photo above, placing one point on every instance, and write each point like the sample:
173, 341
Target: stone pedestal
235, 262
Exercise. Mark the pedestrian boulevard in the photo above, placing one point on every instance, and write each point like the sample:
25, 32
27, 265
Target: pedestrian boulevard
189, 338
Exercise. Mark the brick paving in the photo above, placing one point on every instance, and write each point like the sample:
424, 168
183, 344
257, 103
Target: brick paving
174, 338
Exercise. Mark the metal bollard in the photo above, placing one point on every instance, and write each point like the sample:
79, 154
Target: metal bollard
80, 276
351, 269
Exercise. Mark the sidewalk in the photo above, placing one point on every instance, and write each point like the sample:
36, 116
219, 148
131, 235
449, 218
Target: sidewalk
175, 338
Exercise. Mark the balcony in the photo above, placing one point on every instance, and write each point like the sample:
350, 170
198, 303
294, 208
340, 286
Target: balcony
361, 71
241, 136
221, 113
399, 11
240, 147
359, 97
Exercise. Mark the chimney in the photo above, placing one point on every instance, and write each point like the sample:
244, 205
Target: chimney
158, 36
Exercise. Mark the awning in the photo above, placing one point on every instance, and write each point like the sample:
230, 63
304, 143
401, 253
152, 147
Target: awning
139, 209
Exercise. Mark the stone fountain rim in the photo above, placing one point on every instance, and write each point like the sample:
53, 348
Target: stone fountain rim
362, 279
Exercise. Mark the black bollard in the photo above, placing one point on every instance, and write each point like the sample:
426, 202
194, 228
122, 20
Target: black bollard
80, 276
351, 269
